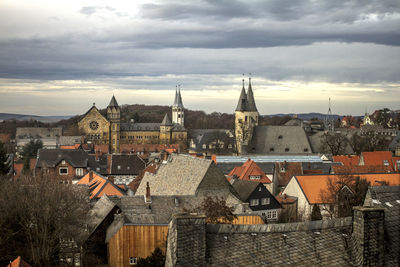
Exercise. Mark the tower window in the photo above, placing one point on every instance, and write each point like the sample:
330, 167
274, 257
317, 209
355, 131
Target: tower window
245, 118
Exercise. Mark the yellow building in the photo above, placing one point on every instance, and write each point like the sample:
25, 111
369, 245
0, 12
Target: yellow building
101, 130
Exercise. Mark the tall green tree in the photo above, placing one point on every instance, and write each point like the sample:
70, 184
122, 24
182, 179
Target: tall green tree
4, 167
30, 151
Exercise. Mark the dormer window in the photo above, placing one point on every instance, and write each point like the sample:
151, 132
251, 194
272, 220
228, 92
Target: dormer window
63, 162
283, 169
385, 162
305, 149
118, 167
271, 149
255, 177
287, 149
280, 137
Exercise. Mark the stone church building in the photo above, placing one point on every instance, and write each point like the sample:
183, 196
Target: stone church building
110, 130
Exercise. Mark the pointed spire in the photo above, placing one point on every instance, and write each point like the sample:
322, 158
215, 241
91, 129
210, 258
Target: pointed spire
166, 121
178, 98
250, 98
113, 102
243, 104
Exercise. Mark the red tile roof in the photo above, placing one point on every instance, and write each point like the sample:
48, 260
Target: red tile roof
152, 168
99, 186
4, 138
377, 158
347, 160
337, 169
18, 262
313, 186
248, 169
284, 171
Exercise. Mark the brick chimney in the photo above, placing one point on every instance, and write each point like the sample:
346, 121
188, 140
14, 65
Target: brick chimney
368, 234
148, 196
90, 176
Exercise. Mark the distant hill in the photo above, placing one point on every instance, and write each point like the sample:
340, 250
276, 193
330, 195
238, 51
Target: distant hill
305, 116
24, 117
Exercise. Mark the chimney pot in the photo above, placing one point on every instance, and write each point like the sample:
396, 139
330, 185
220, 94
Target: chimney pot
90, 176
148, 196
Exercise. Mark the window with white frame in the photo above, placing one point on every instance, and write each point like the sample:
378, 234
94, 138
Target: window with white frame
63, 171
272, 214
265, 201
385, 162
132, 260
255, 177
254, 202
79, 171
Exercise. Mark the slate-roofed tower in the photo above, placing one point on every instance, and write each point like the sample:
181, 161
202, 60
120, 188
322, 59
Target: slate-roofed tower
178, 115
114, 117
166, 130
246, 118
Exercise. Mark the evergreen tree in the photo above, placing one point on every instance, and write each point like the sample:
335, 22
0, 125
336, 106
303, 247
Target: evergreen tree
4, 168
30, 151
316, 213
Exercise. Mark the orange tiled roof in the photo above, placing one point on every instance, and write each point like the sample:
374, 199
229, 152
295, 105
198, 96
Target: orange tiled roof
4, 138
102, 148
250, 168
314, 185
347, 160
18, 262
337, 169
100, 186
377, 158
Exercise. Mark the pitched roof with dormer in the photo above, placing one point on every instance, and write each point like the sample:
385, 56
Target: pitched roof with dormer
51, 157
377, 158
313, 185
347, 160
126, 164
248, 171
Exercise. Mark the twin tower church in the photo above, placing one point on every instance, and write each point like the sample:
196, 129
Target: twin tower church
110, 130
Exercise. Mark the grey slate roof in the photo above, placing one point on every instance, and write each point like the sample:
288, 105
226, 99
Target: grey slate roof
250, 98
178, 99
51, 157
166, 121
244, 188
179, 175
69, 140
318, 243
243, 104
113, 102
99, 211
126, 164
279, 140
38, 132
388, 197
147, 126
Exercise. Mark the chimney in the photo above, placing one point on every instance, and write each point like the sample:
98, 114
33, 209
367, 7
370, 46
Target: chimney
90, 176
368, 234
148, 196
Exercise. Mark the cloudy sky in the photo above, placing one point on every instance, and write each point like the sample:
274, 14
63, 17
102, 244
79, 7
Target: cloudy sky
58, 57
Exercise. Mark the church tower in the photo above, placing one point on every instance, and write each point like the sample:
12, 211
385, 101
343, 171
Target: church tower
246, 118
177, 108
114, 117
165, 130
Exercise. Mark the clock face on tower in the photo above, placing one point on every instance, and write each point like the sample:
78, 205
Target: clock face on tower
94, 125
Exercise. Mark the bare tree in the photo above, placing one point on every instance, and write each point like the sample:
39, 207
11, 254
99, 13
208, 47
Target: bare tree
40, 219
334, 143
215, 209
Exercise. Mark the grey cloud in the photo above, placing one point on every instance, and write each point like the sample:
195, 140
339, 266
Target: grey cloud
90, 10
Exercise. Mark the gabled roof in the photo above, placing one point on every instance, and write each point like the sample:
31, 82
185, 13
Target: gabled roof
100, 185
250, 98
178, 99
129, 164
166, 121
18, 262
244, 188
51, 157
184, 175
347, 160
377, 158
337, 169
249, 168
313, 185
99, 211
243, 104
284, 171
113, 102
